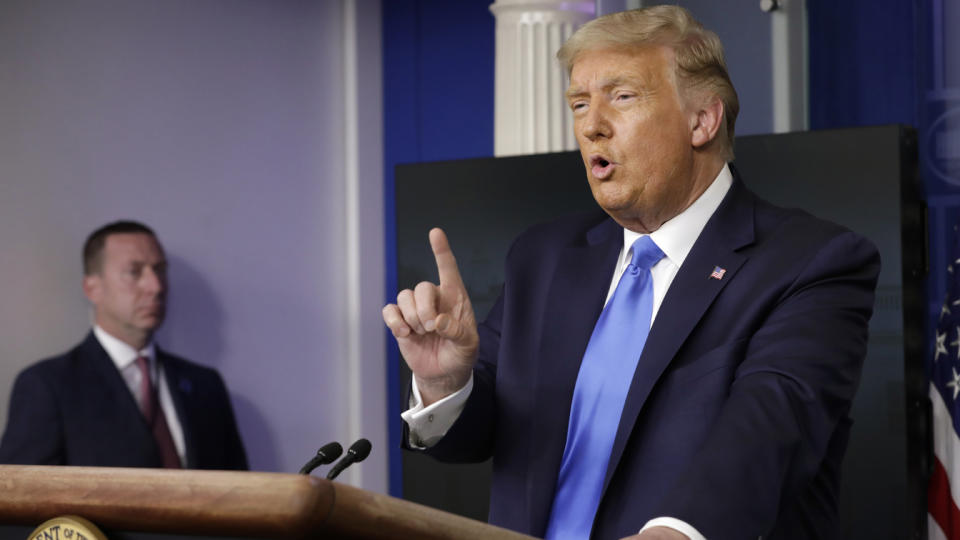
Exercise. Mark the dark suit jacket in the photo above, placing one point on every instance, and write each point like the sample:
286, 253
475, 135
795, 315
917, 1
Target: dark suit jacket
76, 409
737, 416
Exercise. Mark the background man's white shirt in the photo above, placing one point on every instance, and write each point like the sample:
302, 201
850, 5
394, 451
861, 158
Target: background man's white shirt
125, 358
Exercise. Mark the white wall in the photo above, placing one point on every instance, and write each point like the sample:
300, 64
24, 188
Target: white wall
223, 124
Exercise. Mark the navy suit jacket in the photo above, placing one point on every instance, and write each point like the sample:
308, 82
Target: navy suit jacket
737, 416
76, 409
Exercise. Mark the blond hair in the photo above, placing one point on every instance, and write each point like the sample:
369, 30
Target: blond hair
698, 53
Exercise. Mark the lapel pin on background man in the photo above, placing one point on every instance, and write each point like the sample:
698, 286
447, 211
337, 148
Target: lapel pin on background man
679, 365
117, 399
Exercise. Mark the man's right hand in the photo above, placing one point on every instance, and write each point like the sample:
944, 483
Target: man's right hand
435, 327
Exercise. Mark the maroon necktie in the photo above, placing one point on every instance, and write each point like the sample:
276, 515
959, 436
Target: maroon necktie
156, 420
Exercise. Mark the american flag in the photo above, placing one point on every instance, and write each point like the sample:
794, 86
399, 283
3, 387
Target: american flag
943, 368
718, 272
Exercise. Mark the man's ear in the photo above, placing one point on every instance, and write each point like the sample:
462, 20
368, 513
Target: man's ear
92, 288
706, 123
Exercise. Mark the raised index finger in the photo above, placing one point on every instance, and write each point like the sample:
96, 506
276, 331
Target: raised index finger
446, 262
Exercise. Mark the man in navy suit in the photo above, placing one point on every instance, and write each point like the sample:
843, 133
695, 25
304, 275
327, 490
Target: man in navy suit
733, 417
117, 399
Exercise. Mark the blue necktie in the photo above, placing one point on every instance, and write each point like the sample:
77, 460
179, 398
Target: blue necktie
600, 392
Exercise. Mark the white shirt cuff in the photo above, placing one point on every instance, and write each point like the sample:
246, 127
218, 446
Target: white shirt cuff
675, 524
429, 424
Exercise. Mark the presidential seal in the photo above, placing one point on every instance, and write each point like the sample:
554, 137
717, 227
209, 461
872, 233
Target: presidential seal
67, 528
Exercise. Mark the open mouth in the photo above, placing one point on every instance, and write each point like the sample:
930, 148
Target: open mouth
601, 167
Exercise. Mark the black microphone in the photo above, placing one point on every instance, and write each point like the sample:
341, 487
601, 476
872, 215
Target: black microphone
358, 452
326, 454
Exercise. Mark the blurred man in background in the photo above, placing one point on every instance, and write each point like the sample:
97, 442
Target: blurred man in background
117, 399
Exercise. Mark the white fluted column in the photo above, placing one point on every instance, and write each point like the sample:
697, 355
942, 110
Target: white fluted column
531, 115
788, 36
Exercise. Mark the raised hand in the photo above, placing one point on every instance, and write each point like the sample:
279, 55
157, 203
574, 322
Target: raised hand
435, 327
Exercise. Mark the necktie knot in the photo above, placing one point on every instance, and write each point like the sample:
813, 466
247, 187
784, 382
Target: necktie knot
646, 253
143, 364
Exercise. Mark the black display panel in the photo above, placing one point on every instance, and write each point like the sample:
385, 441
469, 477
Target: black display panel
482, 204
863, 178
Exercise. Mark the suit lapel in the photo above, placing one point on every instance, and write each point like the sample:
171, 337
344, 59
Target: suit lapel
576, 295
690, 295
181, 391
116, 399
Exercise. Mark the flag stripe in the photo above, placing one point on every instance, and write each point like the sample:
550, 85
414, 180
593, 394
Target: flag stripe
943, 371
946, 444
945, 480
941, 506
933, 530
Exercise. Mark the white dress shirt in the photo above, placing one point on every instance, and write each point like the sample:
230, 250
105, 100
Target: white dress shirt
125, 358
675, 238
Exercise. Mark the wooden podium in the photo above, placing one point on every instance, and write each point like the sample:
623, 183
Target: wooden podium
221, 503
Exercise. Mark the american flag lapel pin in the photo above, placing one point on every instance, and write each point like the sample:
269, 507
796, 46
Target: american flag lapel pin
718, 273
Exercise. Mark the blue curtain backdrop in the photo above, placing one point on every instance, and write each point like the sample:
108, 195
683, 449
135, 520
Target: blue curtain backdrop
438, 69
896, 61
862, 63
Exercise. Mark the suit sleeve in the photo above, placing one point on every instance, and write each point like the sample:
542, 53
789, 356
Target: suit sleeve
235, 457
207, 416
787, 407
34, 433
